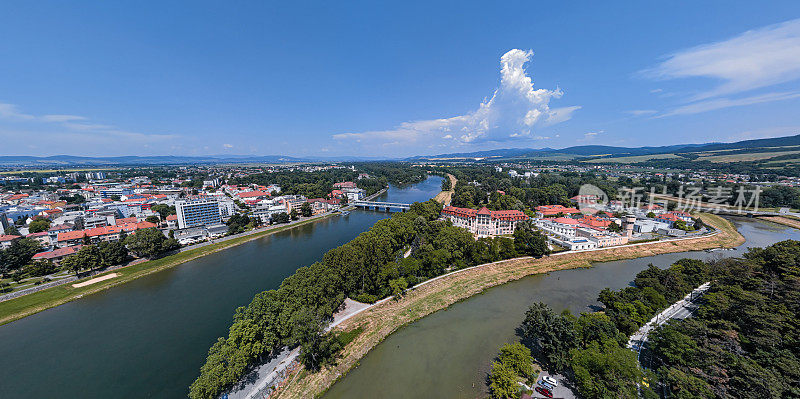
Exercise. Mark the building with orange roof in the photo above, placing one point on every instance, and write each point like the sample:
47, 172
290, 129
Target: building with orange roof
57, 254
554, 210
484, 222
6, 240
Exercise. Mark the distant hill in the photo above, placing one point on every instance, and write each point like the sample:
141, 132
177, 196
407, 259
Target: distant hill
71, 160
603, 150
583, 152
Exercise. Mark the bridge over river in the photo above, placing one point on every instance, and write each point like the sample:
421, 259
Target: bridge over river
382, 206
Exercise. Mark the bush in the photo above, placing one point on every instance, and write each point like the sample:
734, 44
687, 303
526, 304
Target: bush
365, 298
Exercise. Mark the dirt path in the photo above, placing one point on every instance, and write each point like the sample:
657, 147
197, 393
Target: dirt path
439, 293
95, 280
444, 197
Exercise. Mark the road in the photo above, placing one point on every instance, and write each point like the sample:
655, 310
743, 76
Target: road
677, 311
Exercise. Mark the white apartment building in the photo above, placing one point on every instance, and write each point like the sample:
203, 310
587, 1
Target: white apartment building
198, 212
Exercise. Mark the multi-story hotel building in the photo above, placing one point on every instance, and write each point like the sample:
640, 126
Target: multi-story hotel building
483, 222
198, 212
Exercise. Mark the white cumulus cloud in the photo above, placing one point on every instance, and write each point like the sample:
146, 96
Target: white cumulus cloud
514, 110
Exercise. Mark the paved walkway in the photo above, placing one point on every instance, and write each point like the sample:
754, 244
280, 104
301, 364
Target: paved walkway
678, 310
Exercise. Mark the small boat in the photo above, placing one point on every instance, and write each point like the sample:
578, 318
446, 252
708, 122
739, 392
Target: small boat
345, 213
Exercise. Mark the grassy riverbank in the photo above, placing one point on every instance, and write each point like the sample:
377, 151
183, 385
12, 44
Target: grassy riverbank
784, 220
381, 320
17, 308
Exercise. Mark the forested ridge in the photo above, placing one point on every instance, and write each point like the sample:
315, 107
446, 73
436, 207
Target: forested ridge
743, 341
369, 267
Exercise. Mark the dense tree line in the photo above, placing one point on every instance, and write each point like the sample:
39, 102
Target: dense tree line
320, 184
96, 256
18, 255
372, 265
741, 343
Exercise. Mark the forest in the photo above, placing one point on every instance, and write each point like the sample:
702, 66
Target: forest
369, 267
742, 342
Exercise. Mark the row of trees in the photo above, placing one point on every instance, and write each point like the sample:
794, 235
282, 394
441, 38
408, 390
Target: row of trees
370, 266
148, 243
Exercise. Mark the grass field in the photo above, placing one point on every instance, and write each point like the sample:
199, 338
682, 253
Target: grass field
633, 158
378, 322
755, 156
17, 308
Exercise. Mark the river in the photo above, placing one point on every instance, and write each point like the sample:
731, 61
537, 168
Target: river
148, 338
448, 354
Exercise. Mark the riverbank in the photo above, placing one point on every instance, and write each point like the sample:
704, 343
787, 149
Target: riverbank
444, 197
17, 308
784, 220
381, 320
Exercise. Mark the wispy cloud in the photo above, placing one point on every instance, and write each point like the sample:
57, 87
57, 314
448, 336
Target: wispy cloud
63, 118
640, 112
74, 128
10, 111
754, 59
720, 103
512, 113
589, 136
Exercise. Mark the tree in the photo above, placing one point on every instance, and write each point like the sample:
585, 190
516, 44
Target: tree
518, 357
153, 219
293, 214
281, 217
163, 210
529, 241
305, 209
12, 230
317, 348
19, 254
237, 223
651, 215
113, 253
398, 286
614, 228
503, 381
38, 225
552, 336
149, 243
606, 371
41, 267
88, 257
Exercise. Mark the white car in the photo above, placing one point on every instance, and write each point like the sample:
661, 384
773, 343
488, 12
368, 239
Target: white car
550, 380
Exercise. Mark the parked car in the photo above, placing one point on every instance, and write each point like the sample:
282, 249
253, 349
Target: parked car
550, 380
544, 391
546, 385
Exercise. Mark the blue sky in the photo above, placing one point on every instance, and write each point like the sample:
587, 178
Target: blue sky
371, 79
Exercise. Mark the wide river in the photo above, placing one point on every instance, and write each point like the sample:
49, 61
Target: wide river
447, 354
148, 338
